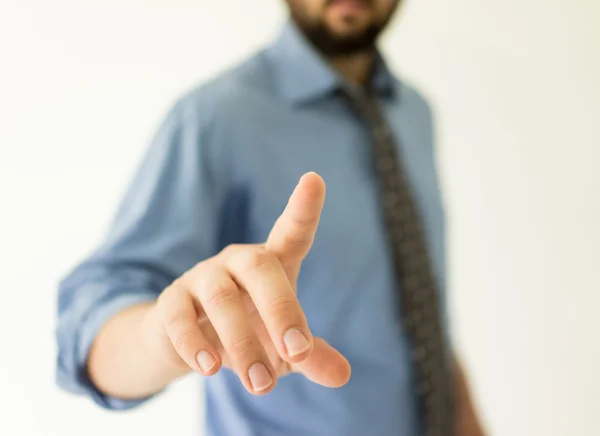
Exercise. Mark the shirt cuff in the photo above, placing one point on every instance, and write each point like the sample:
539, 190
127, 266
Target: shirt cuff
78, 381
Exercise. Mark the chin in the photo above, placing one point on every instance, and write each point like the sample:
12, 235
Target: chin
343, 27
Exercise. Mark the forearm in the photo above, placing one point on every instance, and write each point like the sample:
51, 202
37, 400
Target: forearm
126, 361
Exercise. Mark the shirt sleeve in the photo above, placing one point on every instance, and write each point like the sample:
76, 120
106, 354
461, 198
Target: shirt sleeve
166, 223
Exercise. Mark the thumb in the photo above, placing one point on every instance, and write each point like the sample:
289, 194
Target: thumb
294, 231
325, 366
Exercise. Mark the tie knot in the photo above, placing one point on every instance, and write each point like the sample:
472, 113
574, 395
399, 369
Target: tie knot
364, 102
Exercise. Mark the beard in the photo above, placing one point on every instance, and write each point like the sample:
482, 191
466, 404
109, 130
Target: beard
332, 45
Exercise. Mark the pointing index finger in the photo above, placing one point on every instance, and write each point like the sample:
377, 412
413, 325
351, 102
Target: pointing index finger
294, 231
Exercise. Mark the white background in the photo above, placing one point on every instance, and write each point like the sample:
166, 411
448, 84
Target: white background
84, 83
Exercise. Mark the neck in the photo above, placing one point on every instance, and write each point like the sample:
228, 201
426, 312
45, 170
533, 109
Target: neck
355, 68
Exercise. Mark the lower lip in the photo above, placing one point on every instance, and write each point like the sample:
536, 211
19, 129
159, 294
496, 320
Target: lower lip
348, 6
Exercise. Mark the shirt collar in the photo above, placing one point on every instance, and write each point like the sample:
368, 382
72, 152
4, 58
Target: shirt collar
303, 75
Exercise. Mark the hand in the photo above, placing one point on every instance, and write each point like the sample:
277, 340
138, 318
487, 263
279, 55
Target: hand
239, 309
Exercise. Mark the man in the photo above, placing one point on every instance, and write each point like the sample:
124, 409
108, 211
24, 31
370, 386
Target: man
202, 271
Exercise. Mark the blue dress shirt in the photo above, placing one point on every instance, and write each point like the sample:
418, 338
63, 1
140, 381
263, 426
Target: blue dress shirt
220, 171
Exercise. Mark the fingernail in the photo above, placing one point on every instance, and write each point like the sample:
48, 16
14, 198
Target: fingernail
295, 342
259, 377
205, 360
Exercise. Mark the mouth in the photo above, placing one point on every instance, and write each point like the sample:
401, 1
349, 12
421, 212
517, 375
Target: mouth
349, 6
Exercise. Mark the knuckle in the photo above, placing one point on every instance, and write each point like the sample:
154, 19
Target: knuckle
222, 296
170, 292
243, 347
297, 238
195, 276
258, 260
170, 318
178, 283
197, 269
184, 340
167, 313
305, 224
231, 249
283, 307
173, 303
